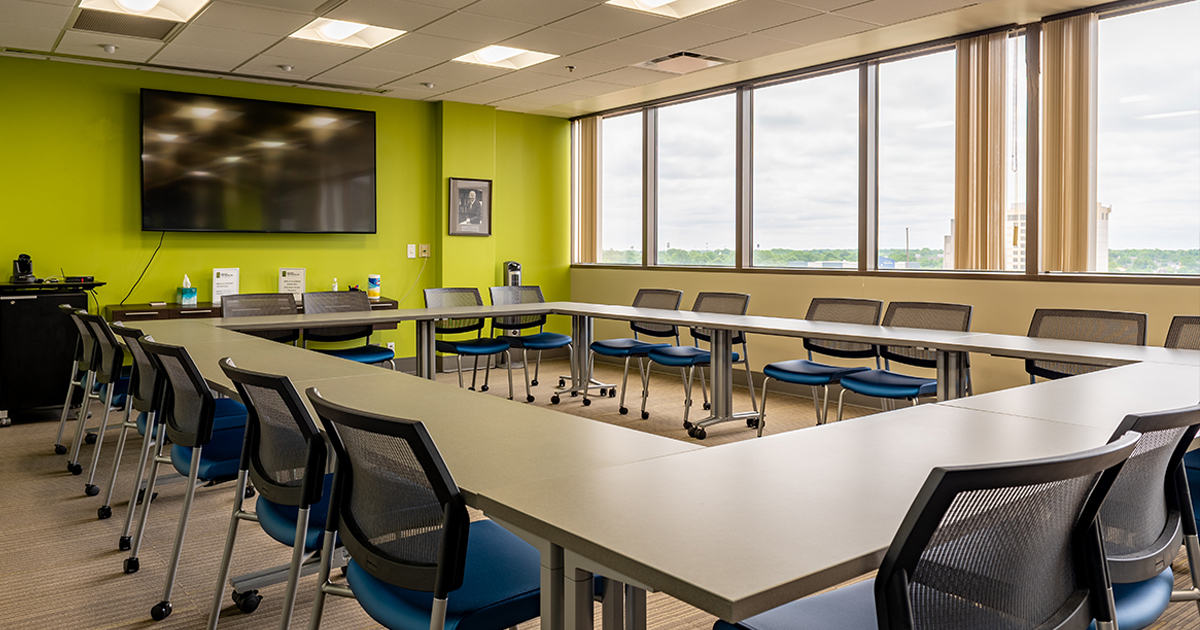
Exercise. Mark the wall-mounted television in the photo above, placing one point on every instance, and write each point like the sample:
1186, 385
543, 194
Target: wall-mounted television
219, 164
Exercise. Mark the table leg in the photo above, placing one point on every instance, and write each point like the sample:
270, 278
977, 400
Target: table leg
577, 600
426, 357
721, 361
951, 375
581, 342
552, 588
612, 611
635, 608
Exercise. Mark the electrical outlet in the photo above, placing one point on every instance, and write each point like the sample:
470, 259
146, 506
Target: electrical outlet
424, 251
392, 346
412, 251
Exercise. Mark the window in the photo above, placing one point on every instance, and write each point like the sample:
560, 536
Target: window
697, 186
1016, 143
621, 190
916, 162
1148, 143
806, 173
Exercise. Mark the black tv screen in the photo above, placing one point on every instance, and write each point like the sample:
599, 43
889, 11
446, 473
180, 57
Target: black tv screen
218, 164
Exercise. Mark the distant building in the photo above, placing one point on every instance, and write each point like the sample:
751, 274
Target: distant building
1015, 234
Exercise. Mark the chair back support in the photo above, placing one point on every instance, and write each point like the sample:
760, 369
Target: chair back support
283, 450
714, 302
1184, 332
844, 311
253, 304
110, 356
927, 315
1141, 517
337, 302
1082, 325
668, 299
87, 344
399, 512
1003, 546
530, 294
449, 298
188, 404
145, 386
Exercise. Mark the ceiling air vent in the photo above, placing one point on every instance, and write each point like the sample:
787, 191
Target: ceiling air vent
121, 24
683, 62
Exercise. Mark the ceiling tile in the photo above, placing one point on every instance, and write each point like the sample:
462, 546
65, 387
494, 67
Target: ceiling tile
19, 12
314, 51
182, 55
406, 16
528, 80
610, 22
632, 77
891, 12
746, 47
354, 75
469, 72
572, 67
529, 11
753, 15
482, 93
219, 39
825, 5
449, 4
27, 37
268, 66
682, 35
68, 3
387, 60
414, 81
421, 45
816, 29
584, 89
252, 19
306, 6
88, 45
554, 41
531, 102
412, 95
623, 53
476, 28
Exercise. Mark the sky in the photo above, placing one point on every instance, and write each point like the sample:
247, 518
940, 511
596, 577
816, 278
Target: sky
806, 151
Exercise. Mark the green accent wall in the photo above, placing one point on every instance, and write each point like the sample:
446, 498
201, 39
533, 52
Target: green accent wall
70, 192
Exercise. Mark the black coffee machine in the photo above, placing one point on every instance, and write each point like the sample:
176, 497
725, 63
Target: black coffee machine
23, 270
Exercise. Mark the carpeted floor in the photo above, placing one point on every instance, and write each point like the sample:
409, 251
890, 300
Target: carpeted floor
62, 568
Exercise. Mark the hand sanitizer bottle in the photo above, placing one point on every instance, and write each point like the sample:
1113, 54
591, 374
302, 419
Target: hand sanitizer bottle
334, 285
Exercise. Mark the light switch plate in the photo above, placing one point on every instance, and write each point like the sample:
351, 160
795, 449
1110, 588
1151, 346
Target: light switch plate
412, 250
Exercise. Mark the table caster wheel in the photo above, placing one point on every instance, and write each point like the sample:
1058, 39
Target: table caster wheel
75, 469
90, 438
529, 399
707, 406
142, 496
700, 433
104, 512
484, 388
554, 400
612, 393
160, 611
645, 415
123, 544
688, 425
587, 402
574, 394
535, 382
248, 601
623, 411
131, 565
249, 494
562, 382
59, 449
603, 392
691, 432
752, 423
471, 389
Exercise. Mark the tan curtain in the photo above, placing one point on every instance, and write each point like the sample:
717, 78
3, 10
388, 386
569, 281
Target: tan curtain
979, 203
587, 190
1069, 142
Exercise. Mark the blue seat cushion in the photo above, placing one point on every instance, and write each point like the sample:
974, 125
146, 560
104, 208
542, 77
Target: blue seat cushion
1193, 479
229, 414
1140, 604
279, 521
884, 384
625, 347
682, 356
218, 459
500, 587
541, 341
119, 392
807, 372
362, 354
848, 608
473, 347
142, 419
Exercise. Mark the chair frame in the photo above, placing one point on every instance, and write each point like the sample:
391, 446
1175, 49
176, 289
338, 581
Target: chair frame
1035, 371
106, 370
637, 329
538, 322
135, 400
81, 376
230, 305
477, 328
1179, 323
349, 333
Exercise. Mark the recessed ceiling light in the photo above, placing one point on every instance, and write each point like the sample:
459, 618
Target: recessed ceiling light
172, 10
505, 57
137, 6
670, 8
346, 33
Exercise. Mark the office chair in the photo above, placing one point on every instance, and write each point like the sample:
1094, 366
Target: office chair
1013, 545
627, 348
1081, 325
206, 447
345, 302
254, 304
517, 323
81, 377
107, 373
1184, 332
688, 358
284, 455
888, 385
808, 372
417, 562
1148, 514
480, 346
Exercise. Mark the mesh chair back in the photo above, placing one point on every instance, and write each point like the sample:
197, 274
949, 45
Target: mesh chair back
337, 302
253, 304
1140, 518
927, 315
188, 404
400, 514
1002, 546
713, 302
109, 356
87, 344
283, 450
517, 295
145, 388
451, 297
668, 299
1184, 332
1082, 325
844, 311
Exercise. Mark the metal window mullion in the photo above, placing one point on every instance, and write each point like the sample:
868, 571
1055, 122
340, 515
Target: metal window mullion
868, 166
744, 203
1033, 148
650, 187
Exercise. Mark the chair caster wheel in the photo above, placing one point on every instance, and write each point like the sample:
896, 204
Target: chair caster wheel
554, 400
248, 601
603, 392
688, 425
529, 399
123, 544
90, 438
131, 565
75, 469
250, 492
91, 490
484, 388
697, 432
645, 415
587, 402
59, 449
612, 393
104, 512
471, 389
623, 411
562, 382
161, 611
752, 423
574, 394
534, 382
142, 496
707, 406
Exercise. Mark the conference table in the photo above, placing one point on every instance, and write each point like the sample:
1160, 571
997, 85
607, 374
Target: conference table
734, 530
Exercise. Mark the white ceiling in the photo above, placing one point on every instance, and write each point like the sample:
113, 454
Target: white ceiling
598, 44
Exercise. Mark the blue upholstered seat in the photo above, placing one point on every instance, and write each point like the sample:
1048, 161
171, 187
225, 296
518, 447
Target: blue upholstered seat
1141, 604
499, 590
625, 347
229, 414
803, 372
1191, 464
279, 521
474, 347
682, 356
119, 392
540, 341
848, 608
885, 384
218, 459
362, 354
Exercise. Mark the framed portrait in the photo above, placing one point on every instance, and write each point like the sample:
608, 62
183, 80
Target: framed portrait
470, 207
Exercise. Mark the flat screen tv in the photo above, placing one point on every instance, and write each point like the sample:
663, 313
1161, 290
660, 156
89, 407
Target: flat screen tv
218, 164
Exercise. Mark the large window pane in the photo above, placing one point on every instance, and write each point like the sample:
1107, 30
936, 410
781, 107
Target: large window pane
621, 189
1016, 143
916, 161
1148, 179
696, 182
806, 173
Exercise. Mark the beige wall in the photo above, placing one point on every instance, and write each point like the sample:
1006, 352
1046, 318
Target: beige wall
1001, 306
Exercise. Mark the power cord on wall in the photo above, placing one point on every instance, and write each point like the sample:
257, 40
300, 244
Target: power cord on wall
414, 284
160, 242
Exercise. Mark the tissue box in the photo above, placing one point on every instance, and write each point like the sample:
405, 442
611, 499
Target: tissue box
186, 296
